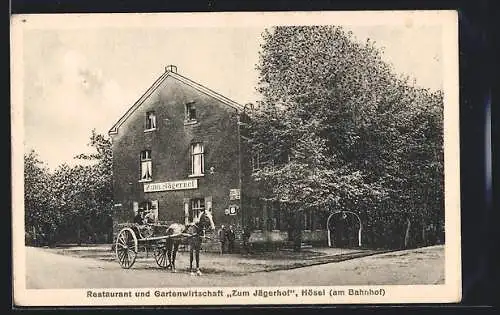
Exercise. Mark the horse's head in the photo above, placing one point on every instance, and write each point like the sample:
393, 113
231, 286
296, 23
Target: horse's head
206, 221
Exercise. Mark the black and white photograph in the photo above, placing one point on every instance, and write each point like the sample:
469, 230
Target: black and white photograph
235, 158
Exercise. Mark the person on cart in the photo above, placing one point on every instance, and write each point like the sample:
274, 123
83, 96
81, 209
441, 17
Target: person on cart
149, 218
139, 217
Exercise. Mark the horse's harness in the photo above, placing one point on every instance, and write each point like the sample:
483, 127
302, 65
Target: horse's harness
197, 231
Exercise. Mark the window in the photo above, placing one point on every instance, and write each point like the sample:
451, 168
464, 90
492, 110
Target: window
197, 159
197, 206
190, 112
146, 166
149, 209
150, 121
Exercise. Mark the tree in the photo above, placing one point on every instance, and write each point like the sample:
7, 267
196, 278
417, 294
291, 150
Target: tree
338, 129
72, 199
41, 218
85, 191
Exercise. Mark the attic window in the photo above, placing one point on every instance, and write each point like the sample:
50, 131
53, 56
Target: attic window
150, 121
190, 112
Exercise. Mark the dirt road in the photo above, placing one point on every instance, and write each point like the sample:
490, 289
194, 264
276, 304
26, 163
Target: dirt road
46, 270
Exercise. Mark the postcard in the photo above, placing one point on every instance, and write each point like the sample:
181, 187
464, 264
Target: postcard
235, 158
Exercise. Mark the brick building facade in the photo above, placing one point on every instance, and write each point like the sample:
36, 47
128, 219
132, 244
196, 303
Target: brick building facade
180, 149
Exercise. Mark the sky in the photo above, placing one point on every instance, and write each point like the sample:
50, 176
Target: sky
78, 79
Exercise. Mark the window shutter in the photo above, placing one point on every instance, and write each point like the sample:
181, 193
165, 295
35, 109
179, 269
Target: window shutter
154, 207
190, 169
203, 158
135, 207
186, 210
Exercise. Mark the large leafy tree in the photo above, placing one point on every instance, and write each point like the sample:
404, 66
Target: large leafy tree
41, 218
340, 129
71, 199
85, 190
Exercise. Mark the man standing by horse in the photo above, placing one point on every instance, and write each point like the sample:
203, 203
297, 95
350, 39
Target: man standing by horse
190, 234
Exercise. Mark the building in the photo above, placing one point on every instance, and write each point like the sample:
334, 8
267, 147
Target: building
181, 149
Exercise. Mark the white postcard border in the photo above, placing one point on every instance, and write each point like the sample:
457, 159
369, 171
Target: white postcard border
449, 292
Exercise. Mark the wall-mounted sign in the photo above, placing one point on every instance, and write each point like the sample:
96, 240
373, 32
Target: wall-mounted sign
234, 194
232, 210
175, 185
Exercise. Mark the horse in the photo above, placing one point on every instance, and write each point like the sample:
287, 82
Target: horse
195, 229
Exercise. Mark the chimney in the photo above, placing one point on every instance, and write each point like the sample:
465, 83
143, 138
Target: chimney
171, 68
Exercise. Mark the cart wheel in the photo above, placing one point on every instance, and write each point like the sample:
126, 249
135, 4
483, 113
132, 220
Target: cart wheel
126, 248
161, 256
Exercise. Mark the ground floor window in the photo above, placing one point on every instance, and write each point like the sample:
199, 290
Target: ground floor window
147, 210
197, 206
194, 206
145, 206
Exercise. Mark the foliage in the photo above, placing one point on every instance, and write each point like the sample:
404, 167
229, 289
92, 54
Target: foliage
40, 217
73, 199
339, 130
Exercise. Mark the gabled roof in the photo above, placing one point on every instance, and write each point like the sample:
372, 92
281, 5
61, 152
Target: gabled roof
158, 82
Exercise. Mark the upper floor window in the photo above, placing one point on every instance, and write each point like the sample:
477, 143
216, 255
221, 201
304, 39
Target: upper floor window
146, 166
197, 159
190, 112
150, 120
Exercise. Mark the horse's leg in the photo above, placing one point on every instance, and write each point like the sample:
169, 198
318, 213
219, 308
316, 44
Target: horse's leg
168, 245
190, 259
197, 257
174, 254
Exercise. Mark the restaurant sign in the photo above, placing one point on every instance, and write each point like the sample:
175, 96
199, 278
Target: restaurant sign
175, 185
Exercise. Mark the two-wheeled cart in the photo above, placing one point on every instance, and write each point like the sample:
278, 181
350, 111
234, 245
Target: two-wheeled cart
150, 237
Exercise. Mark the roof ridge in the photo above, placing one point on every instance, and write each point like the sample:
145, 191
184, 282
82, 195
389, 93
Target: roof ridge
222, 97
137, 103
181, 78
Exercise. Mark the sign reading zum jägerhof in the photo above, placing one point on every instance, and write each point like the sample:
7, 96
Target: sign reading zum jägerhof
174, 185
